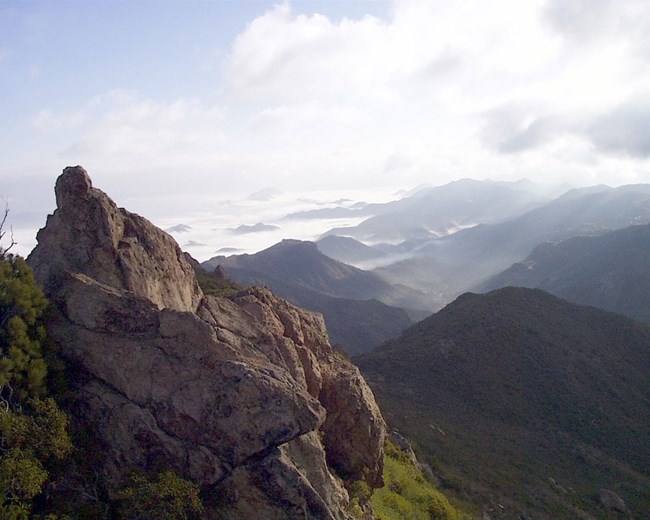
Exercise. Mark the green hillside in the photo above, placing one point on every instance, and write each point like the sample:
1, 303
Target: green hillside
523, 403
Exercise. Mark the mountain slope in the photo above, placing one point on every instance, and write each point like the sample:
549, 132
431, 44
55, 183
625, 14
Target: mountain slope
508, 390
610, 271
300, 262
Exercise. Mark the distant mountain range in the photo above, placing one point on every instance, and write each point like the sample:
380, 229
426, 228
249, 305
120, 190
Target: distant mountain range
523, 403
463, 260
438, 211
610, 271
433, 264
361, 309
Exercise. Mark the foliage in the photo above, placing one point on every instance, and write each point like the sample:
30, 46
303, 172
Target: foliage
22, 305
168, 496
33, 430
214, 285
407, 494
360, 493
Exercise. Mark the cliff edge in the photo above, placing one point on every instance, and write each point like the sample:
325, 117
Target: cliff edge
243, 395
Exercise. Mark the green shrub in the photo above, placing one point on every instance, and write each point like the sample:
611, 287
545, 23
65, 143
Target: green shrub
167, 497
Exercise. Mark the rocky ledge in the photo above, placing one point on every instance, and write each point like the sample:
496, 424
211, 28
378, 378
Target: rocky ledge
243, 395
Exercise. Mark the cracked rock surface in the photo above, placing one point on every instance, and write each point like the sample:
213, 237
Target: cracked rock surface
243, 395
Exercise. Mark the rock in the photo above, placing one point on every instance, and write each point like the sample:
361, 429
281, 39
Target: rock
234, 394
89, 234
220, 272
404, 445
610, 500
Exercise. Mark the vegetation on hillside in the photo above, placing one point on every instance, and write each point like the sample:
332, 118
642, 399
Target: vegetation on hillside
407, 494
523, 403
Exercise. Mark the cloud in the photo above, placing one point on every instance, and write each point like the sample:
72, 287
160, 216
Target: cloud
431, 92
624, 130
588, 21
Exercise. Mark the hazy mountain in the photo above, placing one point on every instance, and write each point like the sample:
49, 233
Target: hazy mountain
359, 307
255, 228
521, 399
348, 250
610, 271
441, 210
179, 228
468, 257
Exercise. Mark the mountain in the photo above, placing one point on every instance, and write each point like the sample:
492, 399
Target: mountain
360, 308
467, 258
525, 403
300, 262
348, 250
441, 210
610, 271
244, 395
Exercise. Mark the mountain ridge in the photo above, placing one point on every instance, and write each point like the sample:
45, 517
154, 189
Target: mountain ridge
610, 271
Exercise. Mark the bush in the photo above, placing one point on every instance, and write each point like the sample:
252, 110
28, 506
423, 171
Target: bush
407, 495
167, 497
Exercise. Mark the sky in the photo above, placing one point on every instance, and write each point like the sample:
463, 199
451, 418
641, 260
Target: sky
180, 110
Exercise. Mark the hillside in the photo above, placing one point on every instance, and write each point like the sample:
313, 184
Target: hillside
610, 271
524, 401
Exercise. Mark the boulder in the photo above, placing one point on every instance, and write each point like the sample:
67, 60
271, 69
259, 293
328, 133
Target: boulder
244, 396
610, 500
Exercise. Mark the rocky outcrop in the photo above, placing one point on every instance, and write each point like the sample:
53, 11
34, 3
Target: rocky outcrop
243, 395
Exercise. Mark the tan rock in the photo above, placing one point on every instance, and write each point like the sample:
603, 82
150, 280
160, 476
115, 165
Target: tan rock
228, 392
89, 234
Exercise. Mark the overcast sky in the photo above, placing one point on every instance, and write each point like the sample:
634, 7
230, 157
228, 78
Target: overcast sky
179, 104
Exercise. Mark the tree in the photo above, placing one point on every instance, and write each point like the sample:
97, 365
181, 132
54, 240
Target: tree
33, 430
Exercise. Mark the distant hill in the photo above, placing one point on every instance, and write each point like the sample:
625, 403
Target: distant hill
467, 258
524, 403
361, 310
610, 271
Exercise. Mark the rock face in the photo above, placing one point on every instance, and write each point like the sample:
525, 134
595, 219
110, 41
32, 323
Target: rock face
243, 395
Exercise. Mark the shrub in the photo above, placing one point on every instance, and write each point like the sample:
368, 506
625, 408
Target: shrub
168, 496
